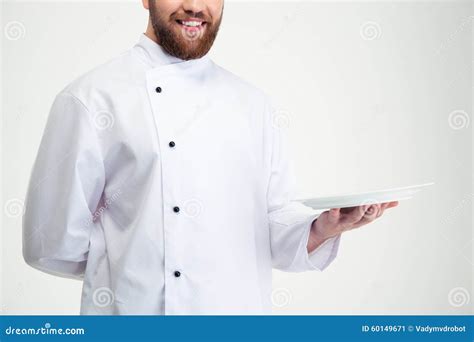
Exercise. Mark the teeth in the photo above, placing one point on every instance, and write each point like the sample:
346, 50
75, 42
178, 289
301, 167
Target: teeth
192, 23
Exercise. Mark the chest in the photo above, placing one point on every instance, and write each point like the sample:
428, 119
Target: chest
196, 131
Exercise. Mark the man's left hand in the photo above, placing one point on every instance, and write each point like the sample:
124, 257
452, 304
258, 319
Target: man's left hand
336, 221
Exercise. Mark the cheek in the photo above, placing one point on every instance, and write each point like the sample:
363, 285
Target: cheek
164, 8
216, 11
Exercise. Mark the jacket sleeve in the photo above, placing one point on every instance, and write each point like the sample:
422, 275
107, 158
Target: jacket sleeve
65, 187
290, 221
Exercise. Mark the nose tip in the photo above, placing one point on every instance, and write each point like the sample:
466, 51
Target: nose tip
193, 6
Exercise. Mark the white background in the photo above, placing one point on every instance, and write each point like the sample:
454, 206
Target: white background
376, 95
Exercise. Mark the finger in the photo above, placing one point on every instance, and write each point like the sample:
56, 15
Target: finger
354, 216
392, 204
386, 206
372, 211
381, 210
368, 218
334, 215
383, 206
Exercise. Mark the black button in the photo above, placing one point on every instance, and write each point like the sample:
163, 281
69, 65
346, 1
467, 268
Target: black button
176, 209
158, 89
177, 274
171, 144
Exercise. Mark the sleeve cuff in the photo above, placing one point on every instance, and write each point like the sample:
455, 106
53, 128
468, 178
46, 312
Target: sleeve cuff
290, 230
321, 257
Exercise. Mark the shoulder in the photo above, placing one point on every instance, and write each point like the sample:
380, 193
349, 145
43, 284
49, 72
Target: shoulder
102, 79
230, 82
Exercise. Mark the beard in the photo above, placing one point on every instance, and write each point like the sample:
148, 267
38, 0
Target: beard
180, 42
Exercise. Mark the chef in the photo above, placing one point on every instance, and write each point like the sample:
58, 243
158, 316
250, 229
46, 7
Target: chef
163, 182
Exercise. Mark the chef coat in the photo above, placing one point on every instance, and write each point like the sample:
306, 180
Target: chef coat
165, 185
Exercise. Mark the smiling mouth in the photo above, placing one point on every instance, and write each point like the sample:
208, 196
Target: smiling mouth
192, 24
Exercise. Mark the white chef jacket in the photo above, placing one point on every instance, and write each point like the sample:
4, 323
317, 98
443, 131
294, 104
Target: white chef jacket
165, 186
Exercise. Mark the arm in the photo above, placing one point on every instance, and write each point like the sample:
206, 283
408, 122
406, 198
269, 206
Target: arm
65, 187
290, 222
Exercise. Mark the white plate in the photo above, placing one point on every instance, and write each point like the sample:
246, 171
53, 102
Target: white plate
354, 200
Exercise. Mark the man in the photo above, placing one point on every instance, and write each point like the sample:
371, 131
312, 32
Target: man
163, 182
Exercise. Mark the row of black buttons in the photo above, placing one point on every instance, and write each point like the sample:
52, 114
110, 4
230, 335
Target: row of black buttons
171, 144
159, 90
176, 273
